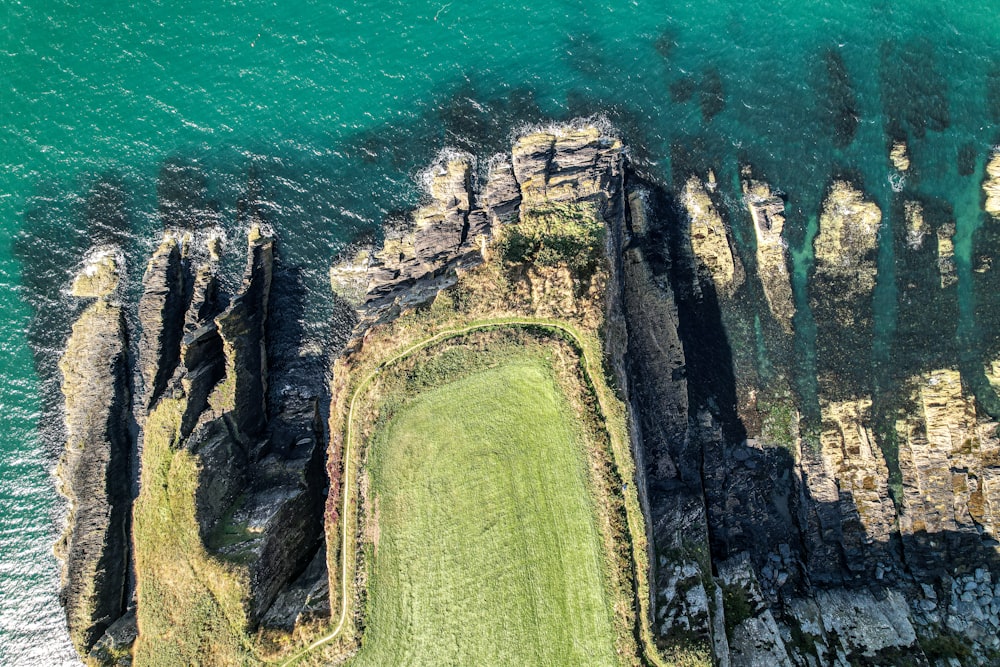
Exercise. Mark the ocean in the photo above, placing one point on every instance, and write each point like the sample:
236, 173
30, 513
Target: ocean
108, 110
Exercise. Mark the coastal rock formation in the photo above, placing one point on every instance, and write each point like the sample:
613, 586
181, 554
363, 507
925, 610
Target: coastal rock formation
916, 227
420, 257
260, 478
837, 515
845, 250
948, 460
94, 472
991, 185
448, 234
841, 287
767, 210
710, 239
899, 156
854, 461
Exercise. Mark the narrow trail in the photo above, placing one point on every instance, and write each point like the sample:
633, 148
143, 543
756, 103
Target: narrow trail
585, 355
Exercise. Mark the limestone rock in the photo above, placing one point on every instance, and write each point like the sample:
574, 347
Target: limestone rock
948, 463
946, 255
710, 239
991, 185
854, 460
916, 227
767, 210
899, 156
94, 471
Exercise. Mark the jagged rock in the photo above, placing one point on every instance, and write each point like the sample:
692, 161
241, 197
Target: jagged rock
710, 239
242, 328
567, 163
112, 650
754, 639
161, 317
844, 627
349, 277
899, 156
916, 227
417, 260
854, 460
948, 463
767, 210
991, 185
95, 466
946, 255
501, 196
309, 595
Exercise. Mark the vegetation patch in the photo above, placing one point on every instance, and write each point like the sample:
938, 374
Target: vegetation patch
737, 607
185, 594
557, 234
489, 549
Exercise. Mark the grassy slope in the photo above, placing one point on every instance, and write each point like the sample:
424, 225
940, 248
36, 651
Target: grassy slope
191, 605
488, 551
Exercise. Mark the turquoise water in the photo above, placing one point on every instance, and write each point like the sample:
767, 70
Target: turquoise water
336, 108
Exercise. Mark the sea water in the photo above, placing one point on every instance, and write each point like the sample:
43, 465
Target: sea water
334, 108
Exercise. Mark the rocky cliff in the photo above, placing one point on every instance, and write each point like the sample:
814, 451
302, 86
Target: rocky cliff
807, 504
94, 472
780, 534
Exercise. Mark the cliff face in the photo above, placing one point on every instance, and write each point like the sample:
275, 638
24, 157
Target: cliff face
776, 537
94, 471
257, 447
849, 517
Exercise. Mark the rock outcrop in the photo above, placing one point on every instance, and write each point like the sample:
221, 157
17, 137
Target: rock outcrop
767, 210
448, 234
260, 481
991, 185
949, 463
95, 469
899, 156
711, 241
845, 251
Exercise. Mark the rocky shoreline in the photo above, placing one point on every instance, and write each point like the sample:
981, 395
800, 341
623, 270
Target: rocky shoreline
784, 528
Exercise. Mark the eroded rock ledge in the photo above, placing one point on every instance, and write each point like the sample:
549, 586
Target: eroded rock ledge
94, 472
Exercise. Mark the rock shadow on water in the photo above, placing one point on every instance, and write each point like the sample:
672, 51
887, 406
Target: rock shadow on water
914, 91
712, 96
837, 100
58, 230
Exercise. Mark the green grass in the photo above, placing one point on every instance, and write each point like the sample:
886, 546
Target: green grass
487, 552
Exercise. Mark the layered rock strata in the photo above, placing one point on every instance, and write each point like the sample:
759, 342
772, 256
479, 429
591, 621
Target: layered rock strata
258, 450
94, 471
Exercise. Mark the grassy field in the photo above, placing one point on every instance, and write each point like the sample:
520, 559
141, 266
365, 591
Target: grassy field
487, 549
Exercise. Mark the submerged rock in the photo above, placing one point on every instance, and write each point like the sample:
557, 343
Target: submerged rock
94, 471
